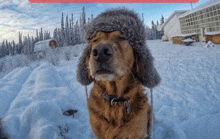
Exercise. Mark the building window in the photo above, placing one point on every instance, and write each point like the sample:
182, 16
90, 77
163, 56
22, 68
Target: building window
207, 14
201, 16
214, 8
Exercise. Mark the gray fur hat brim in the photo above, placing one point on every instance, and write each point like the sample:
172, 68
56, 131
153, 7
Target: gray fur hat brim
129, 24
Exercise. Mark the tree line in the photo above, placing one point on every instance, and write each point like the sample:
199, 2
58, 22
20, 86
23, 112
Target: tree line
25, 44
153, 32
69, 33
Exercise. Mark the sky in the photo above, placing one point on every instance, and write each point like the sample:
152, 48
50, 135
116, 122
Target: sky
25, 17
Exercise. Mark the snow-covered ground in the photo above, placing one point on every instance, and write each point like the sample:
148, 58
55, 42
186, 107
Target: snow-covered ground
35, 98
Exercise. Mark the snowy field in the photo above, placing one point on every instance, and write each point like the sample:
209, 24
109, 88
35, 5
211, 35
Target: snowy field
34, 99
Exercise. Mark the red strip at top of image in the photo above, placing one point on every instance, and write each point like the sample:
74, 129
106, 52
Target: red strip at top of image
113, 1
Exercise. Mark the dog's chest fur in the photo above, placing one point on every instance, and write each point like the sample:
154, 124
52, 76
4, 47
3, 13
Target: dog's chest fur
116, 115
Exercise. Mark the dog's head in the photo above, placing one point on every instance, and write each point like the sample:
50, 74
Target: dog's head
116, 47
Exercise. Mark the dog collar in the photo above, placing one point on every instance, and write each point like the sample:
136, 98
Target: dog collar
114, 100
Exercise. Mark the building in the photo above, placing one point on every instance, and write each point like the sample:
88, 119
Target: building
179, 39
45, 44
203, 20
213, 36
171, 26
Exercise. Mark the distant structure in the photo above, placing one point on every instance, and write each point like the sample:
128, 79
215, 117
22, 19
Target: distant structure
171, 26
200, 24
45, 44
203, 20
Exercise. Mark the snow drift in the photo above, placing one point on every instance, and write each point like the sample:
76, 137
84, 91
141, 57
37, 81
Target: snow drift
34, 98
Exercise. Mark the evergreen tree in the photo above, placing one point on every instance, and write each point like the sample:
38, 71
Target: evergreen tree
46, 35
62, 37
6, 50
153, 30
162, 20
20, 38
83, 16
55, 35
82, 24
153, 26
77, 34
20, 44
41, 35
32, 44
72, 32
59, 38
88, 20
25, 48
91, 17
29, 45
13, 47
142, 18
72, 20
37, 37
66, 40
10, 48
2, 49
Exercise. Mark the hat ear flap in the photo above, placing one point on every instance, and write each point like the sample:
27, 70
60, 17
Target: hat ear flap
82, 72
144, 68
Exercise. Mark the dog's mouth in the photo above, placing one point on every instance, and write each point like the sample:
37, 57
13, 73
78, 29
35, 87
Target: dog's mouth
103, 68
104, 71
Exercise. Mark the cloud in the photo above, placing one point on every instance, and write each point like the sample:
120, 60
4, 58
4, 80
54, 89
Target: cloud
10, 33
20, 15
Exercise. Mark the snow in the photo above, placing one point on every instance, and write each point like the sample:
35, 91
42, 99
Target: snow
165, 38
185, 35
189, 95
213, 33
34, 98
188, 40
189, 34
209, 44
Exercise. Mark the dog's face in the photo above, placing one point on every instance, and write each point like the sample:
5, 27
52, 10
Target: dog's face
111, 56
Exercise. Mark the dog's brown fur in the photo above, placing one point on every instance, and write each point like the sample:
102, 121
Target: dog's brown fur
112, 122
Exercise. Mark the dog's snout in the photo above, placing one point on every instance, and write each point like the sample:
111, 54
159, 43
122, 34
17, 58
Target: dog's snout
103, 52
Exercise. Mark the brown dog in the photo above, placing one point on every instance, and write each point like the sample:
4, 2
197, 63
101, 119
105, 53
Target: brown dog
119, 65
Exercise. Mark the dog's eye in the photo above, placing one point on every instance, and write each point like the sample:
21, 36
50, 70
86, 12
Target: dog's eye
95, 40
121, 38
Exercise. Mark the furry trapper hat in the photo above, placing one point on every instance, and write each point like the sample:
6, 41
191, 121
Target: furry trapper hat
129, 24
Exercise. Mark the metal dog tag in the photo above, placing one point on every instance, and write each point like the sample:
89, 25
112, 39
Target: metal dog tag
128, 109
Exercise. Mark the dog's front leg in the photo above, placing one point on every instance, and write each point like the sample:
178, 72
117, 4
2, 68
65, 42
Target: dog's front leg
136, 128
99, 125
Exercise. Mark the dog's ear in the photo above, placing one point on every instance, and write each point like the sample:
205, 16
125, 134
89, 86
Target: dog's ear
144, 69
82, 72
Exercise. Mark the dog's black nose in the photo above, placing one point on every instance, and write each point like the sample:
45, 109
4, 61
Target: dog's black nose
102, 52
